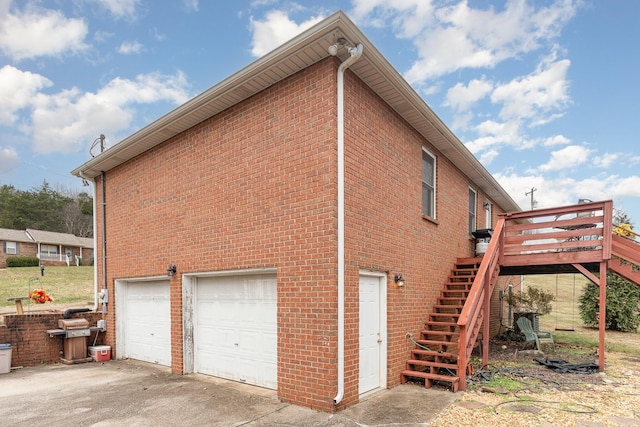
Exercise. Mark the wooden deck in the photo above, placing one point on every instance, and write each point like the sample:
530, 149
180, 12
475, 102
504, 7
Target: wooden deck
569, 239
548, 241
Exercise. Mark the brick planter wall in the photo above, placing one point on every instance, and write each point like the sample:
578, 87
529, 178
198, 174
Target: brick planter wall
31, 345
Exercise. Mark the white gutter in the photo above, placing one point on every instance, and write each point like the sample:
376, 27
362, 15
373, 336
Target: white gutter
95, 246
354, 53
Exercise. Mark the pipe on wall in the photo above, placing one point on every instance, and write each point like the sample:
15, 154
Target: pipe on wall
95, 246
354, 53
104, 245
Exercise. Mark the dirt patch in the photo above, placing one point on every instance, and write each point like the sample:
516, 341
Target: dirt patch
539, 396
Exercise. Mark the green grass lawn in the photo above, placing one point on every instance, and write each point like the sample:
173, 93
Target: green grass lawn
565, 322
66, 285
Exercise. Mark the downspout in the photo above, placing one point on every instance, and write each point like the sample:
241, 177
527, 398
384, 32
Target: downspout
95, 246
104, 298
354, 53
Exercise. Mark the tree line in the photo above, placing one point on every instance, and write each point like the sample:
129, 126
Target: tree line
45, 208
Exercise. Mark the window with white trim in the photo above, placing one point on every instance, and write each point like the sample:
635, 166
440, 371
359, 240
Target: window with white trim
428, 184
10, 248
473, 201
49, 250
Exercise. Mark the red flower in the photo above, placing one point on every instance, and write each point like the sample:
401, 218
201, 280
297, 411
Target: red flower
39, 296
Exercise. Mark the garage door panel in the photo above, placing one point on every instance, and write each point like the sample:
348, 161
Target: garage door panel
147, 324
236, 328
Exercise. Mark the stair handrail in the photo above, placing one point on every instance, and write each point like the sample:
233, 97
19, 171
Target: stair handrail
625, 248
473, 305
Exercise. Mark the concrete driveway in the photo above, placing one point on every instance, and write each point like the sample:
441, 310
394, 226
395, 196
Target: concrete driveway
130, 393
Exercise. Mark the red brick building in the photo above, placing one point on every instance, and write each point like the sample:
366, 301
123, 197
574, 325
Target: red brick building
288, 197
50, 247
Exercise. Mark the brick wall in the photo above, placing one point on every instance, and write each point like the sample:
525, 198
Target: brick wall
385, 228
255, 186
251, 187
31, 345
25, 249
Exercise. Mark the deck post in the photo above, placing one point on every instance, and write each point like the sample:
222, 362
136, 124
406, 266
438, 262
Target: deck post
486, 315
462, 358
602, 313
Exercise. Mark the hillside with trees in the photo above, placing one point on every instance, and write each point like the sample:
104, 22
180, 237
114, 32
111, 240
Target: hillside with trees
45, 208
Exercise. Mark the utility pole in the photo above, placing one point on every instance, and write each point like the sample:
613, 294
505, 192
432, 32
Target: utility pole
533, 202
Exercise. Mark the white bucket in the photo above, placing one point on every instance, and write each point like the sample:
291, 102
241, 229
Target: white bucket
481, 248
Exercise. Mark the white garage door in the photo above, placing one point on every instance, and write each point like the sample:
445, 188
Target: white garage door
146, 322
235, 336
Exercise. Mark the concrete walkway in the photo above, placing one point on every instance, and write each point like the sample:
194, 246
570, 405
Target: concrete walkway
129, 393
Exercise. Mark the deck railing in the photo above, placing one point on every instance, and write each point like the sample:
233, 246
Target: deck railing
473, 313
572, 234
566, 235
625, 248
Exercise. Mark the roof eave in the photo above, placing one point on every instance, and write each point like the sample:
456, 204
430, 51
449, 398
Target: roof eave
298, 53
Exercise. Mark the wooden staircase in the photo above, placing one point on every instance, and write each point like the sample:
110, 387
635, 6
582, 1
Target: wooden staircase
535, 242
435, 357
629, 251
626, 271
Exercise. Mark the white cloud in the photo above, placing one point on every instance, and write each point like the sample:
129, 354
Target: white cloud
120, 8
461, 121
36, 32
550, 192
535, 94
130, 48
8, 159
487, 157
276, 29
63, 122
606, 160
560, 191
17, 90
408, 17
627, 186
556, 140
450, 36
461, 97
157, 35
191, 5
566, 158
492, 133
102, 36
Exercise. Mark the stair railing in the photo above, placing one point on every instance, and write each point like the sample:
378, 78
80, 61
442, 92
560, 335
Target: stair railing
625, 248
472, 315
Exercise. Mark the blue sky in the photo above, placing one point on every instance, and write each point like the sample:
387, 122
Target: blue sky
544, 92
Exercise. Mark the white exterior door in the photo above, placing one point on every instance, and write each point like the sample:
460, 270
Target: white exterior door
372, 334
144, 321
236, 330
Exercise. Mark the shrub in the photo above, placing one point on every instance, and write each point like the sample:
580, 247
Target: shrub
23, 261
533, 300
623, 304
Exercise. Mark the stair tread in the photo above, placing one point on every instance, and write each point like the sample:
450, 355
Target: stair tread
452, 315
440, 333
441, 329
437, 342
431, 353
448, 378
432, 363
436, 323
448, 306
